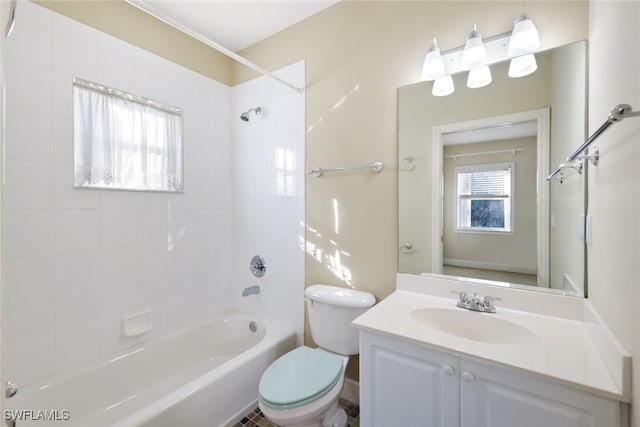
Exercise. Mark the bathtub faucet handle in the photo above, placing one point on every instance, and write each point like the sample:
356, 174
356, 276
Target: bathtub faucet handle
251, 290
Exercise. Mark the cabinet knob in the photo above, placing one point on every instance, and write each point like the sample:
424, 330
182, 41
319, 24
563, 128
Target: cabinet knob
468, 377
449, 370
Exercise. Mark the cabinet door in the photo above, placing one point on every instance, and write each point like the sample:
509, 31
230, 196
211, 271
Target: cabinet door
492, 396
406, 385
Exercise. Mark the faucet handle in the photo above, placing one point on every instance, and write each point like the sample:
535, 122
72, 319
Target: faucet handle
488, 300
462, 295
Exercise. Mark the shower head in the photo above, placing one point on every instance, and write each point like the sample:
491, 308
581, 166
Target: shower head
245, 116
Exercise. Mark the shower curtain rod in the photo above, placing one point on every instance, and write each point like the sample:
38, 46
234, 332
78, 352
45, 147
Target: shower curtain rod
158, 15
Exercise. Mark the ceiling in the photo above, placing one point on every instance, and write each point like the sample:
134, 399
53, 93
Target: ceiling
236, 24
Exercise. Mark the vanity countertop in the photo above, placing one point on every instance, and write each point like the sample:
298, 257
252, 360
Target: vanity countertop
564, 351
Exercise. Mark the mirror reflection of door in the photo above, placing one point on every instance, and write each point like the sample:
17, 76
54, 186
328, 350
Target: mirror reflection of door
489, 205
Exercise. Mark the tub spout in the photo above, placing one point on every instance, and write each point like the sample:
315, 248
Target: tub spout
251, 290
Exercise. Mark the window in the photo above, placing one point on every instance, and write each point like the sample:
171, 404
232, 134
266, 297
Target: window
483, 197
124, 141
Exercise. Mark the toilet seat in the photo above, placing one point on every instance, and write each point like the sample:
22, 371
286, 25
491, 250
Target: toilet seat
300, 377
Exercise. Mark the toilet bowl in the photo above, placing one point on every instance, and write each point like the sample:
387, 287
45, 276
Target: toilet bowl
302, 388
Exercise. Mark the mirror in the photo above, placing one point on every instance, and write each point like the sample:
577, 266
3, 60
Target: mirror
474, 201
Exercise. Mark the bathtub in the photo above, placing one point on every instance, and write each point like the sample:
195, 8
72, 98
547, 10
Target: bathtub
204, 375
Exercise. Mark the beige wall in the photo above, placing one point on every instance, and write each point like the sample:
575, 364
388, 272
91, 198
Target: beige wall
128, 23
614, 186
516, 249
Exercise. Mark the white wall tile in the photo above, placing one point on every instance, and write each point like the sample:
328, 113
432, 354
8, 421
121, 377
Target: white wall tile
30, 88
115, 199
152, 227
62, 93
31, 39
150, 72
147, 200
112, 55
28, 135
66, 196
28, 233
63, 140
118, 272
29, 281
32, 328
28, 185
180, 225
77, 319
75, 48
77, 230
77, 274
182, 200
76, 353
118, 228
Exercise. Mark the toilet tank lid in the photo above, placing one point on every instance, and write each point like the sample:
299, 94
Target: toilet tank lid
340, 296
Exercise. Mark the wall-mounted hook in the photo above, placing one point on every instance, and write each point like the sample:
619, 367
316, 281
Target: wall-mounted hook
408, 163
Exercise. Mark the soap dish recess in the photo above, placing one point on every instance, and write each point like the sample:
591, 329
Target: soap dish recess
137, 323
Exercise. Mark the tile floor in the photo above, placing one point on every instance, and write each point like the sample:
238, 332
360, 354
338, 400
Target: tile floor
255, 418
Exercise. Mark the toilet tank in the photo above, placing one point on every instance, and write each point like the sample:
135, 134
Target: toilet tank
331, 311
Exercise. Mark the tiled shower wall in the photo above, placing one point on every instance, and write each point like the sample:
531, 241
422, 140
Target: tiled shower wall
77, 261
268, 195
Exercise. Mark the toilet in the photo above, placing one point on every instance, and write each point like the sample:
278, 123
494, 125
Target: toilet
301, 388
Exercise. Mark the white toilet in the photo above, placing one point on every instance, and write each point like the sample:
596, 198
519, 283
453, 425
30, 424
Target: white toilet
302, 387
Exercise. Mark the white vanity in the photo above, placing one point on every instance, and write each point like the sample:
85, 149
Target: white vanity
541, 360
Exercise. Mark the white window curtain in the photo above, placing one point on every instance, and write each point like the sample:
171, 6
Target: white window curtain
123, 141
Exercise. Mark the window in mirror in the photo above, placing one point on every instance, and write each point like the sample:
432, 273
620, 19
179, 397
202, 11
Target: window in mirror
483, 198
125, 141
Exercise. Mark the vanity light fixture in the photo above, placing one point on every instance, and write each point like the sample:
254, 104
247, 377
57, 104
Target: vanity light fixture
477, 56
474, 54
524, 41
523, 65
433, 67
524, 37
443, 86
479, 77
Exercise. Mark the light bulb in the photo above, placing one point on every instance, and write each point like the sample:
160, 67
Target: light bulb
522, 66
479, 77
443, 86
433, 67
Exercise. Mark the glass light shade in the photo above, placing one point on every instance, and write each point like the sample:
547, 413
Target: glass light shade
433, 67
524, 38
479, 77
523, 66
443, 86
474, 54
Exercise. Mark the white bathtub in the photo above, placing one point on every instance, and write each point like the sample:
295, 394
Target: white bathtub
205, 375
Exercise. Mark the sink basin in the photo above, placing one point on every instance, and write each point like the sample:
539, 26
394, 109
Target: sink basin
481, 327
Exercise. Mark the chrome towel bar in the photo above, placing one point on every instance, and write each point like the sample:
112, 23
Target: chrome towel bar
617, 114
375, 167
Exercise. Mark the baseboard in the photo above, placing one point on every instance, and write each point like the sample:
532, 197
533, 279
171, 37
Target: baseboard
351, 391
489, 266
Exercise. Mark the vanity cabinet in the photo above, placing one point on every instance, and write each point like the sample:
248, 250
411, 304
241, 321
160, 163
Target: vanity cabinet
406, 384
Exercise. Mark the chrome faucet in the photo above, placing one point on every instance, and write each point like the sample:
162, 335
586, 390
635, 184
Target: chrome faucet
475, 302
251, 290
